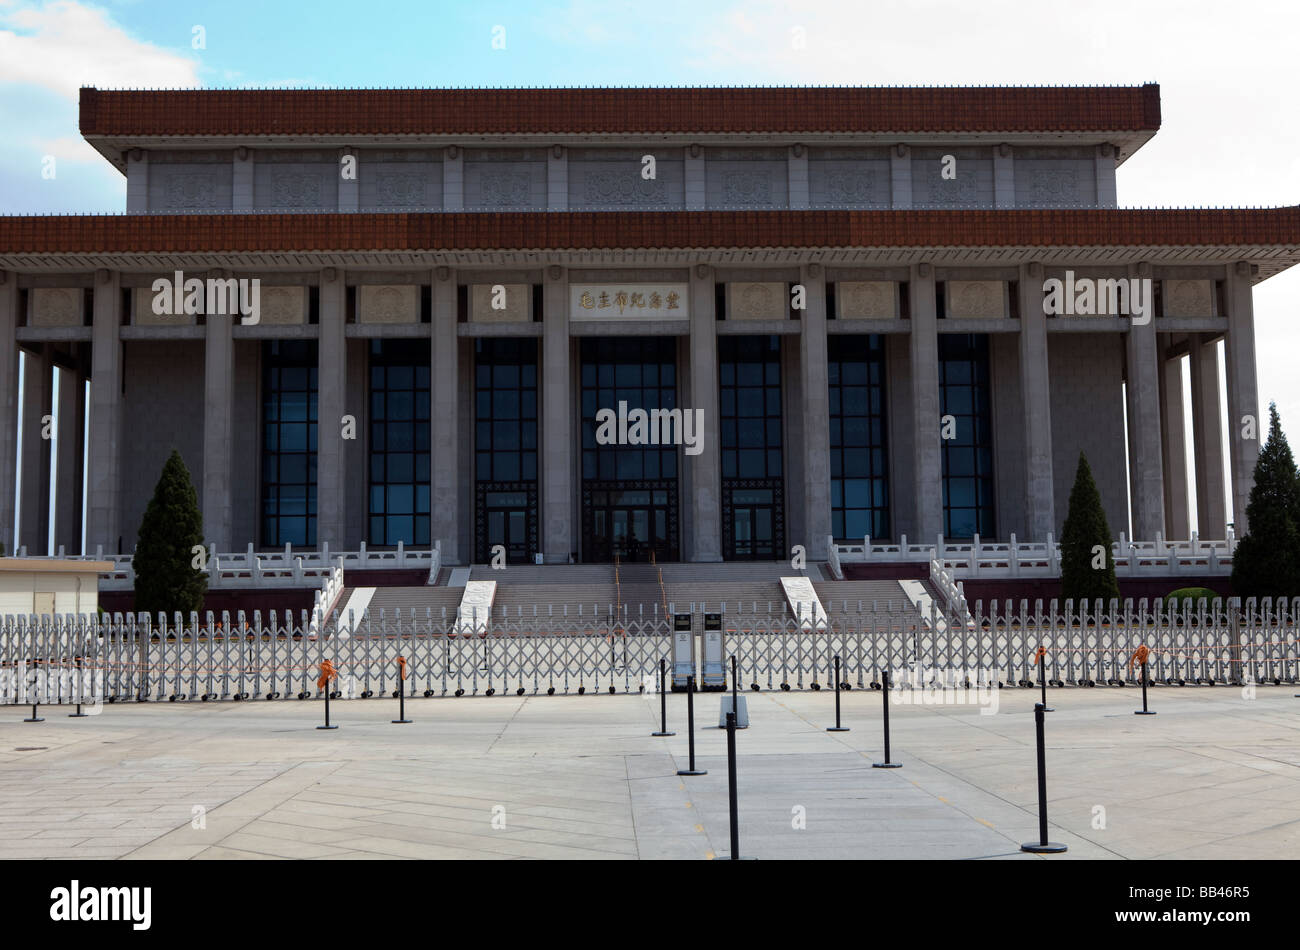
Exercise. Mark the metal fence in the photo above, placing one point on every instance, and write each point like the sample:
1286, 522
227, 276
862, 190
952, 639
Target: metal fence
125, 658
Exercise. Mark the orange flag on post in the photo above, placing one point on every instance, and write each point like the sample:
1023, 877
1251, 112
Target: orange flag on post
1039, 655
327, 673
1140, 655
401, 665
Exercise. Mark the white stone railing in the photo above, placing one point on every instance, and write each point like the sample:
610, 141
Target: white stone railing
949, 588
282, 567
1013, 558
326, 598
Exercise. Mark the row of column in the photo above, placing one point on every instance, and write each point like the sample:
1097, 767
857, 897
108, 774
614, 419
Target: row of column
1154, 413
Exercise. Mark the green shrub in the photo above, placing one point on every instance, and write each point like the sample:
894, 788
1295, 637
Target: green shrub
1193, 594
165, 578
1266, 562
1085, 531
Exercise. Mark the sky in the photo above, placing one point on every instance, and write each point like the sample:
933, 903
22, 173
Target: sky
1230, 126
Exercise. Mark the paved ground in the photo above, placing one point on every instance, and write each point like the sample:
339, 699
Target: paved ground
1213, 775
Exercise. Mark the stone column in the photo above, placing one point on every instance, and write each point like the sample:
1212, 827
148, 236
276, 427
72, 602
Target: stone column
695, 186
557, 179
797, 176
137, 181
1207, 438
453, 179
1243, 395
332, 378
816, 415
556, 451
444, 436
927, 457
350, 188
706, 468
69, 445
1174, 449
8, 407
104, 497
900, 177
38, 403
242, 180
218, 433
1146, 465
1105, 168
1004, 183
1036, 403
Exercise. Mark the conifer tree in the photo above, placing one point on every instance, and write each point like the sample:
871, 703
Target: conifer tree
165, 578
1267, 560
1087, 563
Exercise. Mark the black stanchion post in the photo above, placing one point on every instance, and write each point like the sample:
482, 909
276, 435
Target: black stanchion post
1144, 711
731, 786
663, 700
884, 694
401, 692
690, 729
1042, 676
1042, 845
327, 672
837, 727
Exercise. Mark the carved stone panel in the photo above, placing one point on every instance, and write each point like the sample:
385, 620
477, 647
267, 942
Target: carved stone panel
867, 300
309, 187
1189, 298
757, 301
975, 299
57, 307
388, 303
514, 303
284, 306
142, 314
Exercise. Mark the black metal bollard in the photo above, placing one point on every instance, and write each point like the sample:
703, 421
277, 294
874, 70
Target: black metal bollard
327, 710
1144, 711
1042, 845
731, 786
663, 700
401, 692
1042, 678
884, 694
837, 727
690, 729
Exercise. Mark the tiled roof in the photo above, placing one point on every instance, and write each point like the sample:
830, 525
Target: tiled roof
251, 112
572, 230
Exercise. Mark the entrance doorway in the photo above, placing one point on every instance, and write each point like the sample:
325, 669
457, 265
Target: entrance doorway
631, 524
753, 524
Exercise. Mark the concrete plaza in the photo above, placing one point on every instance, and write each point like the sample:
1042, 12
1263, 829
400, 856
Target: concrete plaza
1214, 775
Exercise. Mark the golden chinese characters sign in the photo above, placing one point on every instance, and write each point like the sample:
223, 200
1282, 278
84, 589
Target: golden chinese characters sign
628, 302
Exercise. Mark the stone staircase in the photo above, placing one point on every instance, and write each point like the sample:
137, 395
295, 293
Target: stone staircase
840, 597
588, 591
419, 599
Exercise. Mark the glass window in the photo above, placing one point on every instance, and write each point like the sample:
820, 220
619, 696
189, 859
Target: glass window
288, 442
859, 480
968, 456
638, 371
399, 441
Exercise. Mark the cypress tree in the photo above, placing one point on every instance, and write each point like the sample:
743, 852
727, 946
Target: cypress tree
1086, 529
165, 579
1267, 560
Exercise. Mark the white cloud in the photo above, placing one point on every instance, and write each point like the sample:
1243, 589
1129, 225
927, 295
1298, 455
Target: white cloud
65, 45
